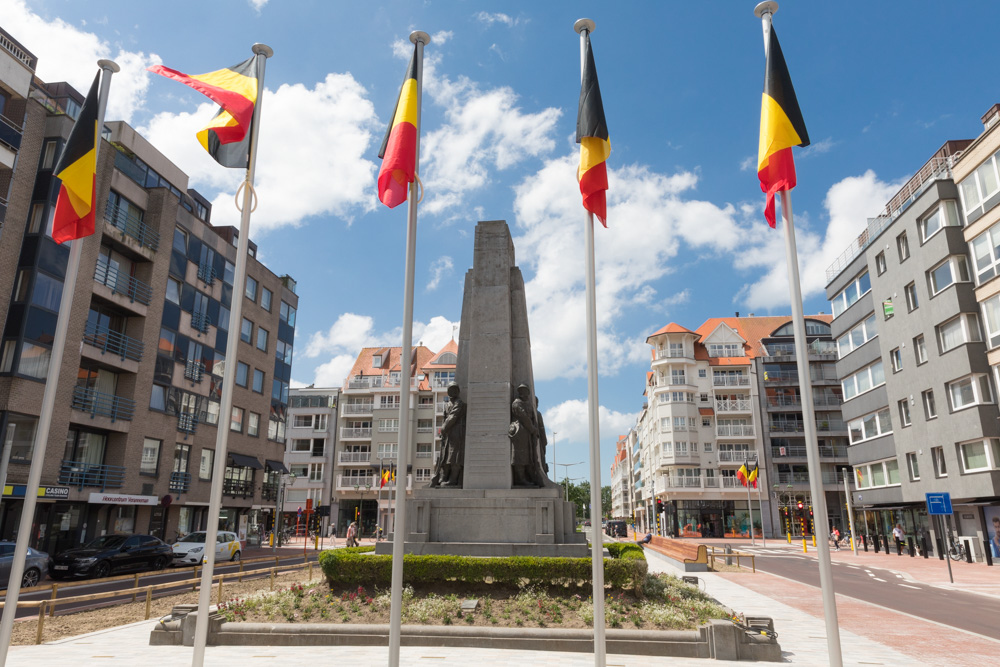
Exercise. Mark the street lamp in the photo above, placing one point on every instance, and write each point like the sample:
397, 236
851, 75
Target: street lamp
279, 507
361, 508
566, 472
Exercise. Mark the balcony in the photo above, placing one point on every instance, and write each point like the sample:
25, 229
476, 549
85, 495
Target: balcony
356, 408
349, 433
730, 380
269, 492
187, 423
674, 459
365, 382
120, 283
237, 488
439, 407
97, 403
206, 274
732, 483
10, 133
180, 482
800, 451
794, 426
200, 322
194, 370
778, 377
354, 457
736, 456
734, 430
822, 348
347, 482
113, 342
425, 455
82, 474
131, 225
733, 406
425, 429
673, 482
392, 454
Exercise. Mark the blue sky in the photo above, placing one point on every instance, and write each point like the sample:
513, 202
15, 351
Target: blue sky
880, 89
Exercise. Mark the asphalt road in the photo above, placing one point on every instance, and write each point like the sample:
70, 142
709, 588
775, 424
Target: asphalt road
958, 609
74, 588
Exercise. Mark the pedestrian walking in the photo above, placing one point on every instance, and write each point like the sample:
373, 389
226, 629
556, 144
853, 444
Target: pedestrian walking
352, 534
835, 534
899, 536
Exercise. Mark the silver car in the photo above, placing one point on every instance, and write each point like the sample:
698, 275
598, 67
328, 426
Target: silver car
35, 565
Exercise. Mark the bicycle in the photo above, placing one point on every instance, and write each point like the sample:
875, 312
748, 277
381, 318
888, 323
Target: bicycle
956, 550
754, 625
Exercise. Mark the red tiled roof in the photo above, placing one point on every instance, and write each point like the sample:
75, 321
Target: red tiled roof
391, 358
452, 347
673, 327
752, 329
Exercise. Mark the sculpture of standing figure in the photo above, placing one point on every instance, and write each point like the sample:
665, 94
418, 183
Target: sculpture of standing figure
543, 441
449, 467
522, 433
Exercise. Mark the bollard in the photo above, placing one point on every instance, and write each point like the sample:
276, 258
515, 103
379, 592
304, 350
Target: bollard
864, 543
923, 544
728, 550
219, 599
911, 546
135, 587
272, 579
814, 540
194, 586
310, 571
886, 538
988, 552
41, 622
241, 571
52, 607
968, 554
804, 550
876, 542
938, 544
149, 602
789, 534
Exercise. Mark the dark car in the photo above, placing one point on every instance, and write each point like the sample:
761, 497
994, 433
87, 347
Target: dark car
35, 565
616, 529
112, 553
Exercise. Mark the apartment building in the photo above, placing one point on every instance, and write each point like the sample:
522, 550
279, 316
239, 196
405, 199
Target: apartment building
132, 438
919, 398
621, 479
369, 430
724, 394
311, 438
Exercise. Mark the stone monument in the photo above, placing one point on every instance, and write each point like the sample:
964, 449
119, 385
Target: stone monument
492, 497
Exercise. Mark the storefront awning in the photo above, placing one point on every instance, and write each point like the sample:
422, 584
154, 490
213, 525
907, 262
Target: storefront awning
276, 466
242, 461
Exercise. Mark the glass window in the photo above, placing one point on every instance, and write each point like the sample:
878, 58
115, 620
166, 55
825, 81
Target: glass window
974, 456
251, 291
158, 398
242, 371
892, 471
47, 292
19, 438
862, 285
913, 466
903, 246
957, 331
904, 412
864, 380
246, 331
205, 467
236, 422
949, 272
930, 409
945, 215
173, 291
991, 318
287, 314
262, 338
896, 359
167, 344
253, 424
34, 360
229, 274
880, 266
265, 298
150, 456
911, 297
968, 391
920, 349
869, 426
878, 474
180, 240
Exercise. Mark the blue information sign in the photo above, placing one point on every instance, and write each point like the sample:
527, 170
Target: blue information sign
939, 503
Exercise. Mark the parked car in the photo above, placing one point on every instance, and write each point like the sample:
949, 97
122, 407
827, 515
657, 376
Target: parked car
616, 529
35, 565
107, 554
190, 549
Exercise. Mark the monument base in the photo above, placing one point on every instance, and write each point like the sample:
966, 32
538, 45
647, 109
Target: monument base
492, 522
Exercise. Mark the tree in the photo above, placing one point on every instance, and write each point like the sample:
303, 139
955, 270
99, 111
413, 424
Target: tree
578, 494
606, 501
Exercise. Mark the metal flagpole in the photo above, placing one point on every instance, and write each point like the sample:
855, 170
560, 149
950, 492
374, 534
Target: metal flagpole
584, 27
753, 541
420, 39
760, 505
263, 52
49, 397
765, 11
850, 515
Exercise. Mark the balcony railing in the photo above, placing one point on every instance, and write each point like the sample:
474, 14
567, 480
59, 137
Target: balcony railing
348, 432
237, 488
180, 482
425, 454
347, 482
673, 354
355, 457
673, 458
81, 474
269, 492
793, 376
113, 342
120, 283
683, 482
799, 426
676, 378
817, 347
425, 429
733, 406
800, 451
730, 380
734, 430
803, 477
393, 454
131, 225
206, 274
187, 422
365, 382
194, 370
388, 428
737, 456
10, 133
200, 322
97, 403
731, 483
357, 408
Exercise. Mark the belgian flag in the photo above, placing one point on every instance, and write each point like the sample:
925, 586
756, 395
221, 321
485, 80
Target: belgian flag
752, 475
743, 474
399, 146
77, 169
781, 127
592, 135
235, 89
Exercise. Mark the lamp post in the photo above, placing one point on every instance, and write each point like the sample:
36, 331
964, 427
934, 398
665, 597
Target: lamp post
279, 508
565, 472
361, 507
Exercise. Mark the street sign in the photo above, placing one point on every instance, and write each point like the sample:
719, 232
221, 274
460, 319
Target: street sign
939, 503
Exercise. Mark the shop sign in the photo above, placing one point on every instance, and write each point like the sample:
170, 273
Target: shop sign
47, 492
121, 499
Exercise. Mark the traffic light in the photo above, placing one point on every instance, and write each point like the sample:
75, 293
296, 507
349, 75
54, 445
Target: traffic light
810, 510
800, 504
659, 506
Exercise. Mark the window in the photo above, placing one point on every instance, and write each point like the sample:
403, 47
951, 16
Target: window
242, 371
173, 291
301, 445
253, 424
725, 349
985, 252
212, 414
920, 349
991, 318
980, 455
251, 291
911, 297
34, 360
864, 380
47, 292
904, 412
856, 337
265, 298
880, 266
48, 153
940, 465
158, 398
896, 360
945, 215
287, 314
930, 409
180, 241
850, 294
229, 273
205, 467
872, 425
168, 342
315, 472
979, 186
246, 330
903, 246
236, 421
150, 456
947, 273
388, 425
912, 466
389, 402
702, 372
969, 391
958, 331
258, 381
706, 421
262, 338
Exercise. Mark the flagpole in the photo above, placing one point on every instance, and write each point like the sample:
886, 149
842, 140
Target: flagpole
419, 39
753, 541
584, 27
49, 394
228, 380
760, 503
850, 514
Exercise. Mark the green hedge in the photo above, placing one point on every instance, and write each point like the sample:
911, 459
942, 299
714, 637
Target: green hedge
354, 566
625, 550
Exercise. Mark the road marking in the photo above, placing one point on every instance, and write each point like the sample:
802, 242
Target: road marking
882, 580
854, 567
916, 588
899, 576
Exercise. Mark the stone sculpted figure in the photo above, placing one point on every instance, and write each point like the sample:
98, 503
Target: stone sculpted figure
522, 433
449, 467
543, 441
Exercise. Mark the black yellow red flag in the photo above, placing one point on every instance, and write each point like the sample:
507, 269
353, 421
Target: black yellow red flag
781, 127
742, 474
752, 475
399, 146
77, 169
592, 135
235, 90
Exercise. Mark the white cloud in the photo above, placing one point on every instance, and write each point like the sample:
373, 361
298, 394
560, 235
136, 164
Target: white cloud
849, 203
339, 121
67, 53
570, 420
818, 148
257, 4
441, 36
749, 163
649, 223
440, 268
496, 17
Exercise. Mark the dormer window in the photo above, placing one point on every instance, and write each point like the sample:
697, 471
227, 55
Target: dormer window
377, 360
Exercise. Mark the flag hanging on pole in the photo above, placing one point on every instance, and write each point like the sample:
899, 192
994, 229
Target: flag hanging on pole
235, 89
592, 135
861, 477
781, 127
77, 169
399, 146
752, 475
742, 474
